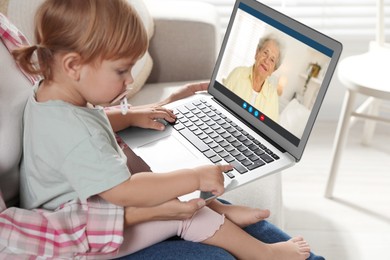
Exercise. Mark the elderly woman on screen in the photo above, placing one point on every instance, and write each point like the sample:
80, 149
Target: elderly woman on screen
252, 84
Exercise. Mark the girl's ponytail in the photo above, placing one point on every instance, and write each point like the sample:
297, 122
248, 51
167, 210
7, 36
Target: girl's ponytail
35, 60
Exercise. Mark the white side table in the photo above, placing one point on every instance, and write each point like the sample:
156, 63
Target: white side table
367, 74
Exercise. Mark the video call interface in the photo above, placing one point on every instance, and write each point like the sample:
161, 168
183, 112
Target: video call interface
287, 66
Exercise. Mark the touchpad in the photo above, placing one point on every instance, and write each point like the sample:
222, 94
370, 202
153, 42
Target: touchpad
168, 154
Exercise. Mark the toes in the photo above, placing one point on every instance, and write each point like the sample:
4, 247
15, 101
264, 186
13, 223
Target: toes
297, 239
303, 246
302, 243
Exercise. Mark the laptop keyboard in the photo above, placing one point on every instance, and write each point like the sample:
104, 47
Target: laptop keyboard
220, 139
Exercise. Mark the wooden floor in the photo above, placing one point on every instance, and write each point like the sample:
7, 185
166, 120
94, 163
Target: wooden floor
355, 225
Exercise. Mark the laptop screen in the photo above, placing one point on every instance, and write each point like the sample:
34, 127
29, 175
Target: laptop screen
273, 72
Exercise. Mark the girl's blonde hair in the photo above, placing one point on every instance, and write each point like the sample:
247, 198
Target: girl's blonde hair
95, 29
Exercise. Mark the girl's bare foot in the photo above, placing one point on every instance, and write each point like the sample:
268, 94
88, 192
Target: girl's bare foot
240, 215
243, 246
294, 249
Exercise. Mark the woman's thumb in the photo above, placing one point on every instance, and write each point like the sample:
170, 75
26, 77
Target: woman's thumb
200, 203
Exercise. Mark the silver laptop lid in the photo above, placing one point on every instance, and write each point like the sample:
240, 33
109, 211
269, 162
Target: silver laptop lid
288, 103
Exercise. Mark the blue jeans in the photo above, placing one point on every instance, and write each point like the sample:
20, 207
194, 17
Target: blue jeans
176, 248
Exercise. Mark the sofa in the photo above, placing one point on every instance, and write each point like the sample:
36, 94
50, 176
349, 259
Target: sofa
184, 41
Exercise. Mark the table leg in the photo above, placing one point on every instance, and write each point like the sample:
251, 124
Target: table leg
340, 139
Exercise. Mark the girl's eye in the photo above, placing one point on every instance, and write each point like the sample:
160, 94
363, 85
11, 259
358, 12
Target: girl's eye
122, 72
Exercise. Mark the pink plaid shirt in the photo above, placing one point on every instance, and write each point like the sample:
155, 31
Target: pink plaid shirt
75, 230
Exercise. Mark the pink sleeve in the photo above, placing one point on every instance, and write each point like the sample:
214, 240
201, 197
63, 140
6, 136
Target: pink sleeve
74, 229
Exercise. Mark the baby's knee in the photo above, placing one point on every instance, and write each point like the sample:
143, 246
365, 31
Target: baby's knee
203, 225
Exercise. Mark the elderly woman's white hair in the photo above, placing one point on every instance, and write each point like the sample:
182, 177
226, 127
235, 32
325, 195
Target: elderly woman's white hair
273, 38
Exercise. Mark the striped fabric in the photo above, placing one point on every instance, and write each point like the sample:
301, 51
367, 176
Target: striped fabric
75, 231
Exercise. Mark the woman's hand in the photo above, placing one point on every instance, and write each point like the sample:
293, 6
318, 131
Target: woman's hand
170, 210
186, 91
179, 210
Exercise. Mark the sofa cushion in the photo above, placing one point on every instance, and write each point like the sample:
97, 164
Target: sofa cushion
14, 90
21, 13
143, 67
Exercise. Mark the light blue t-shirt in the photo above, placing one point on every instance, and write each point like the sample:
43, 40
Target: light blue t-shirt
69, 152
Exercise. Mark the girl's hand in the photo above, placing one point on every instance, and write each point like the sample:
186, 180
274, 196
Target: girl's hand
211, 178
146, 117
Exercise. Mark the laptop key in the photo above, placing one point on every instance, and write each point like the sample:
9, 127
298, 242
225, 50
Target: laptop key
266, 158
213, 145
234, 153
259, 152
218, 149
240, 157
179, 126
192, 128
246, 162
241, 169
194, 140
230, 175
215, 159
253, 158
229, 158
197, 132
223, 154
256, 164
209, 153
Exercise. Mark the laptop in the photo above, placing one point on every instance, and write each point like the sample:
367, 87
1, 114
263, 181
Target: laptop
222, 126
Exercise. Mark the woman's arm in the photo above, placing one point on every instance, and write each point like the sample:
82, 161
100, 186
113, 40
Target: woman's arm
185, 91
170, 210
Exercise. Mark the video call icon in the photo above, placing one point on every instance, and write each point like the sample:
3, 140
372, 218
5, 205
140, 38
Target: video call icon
251, 110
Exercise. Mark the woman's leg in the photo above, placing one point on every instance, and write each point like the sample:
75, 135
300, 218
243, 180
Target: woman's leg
177, 248
232, 238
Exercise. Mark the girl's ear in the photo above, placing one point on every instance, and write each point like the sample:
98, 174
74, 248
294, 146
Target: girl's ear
71, 63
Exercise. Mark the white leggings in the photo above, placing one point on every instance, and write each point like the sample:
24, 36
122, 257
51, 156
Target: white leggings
203, 224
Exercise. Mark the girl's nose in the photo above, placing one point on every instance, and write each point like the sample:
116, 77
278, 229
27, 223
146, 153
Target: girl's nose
129, 79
